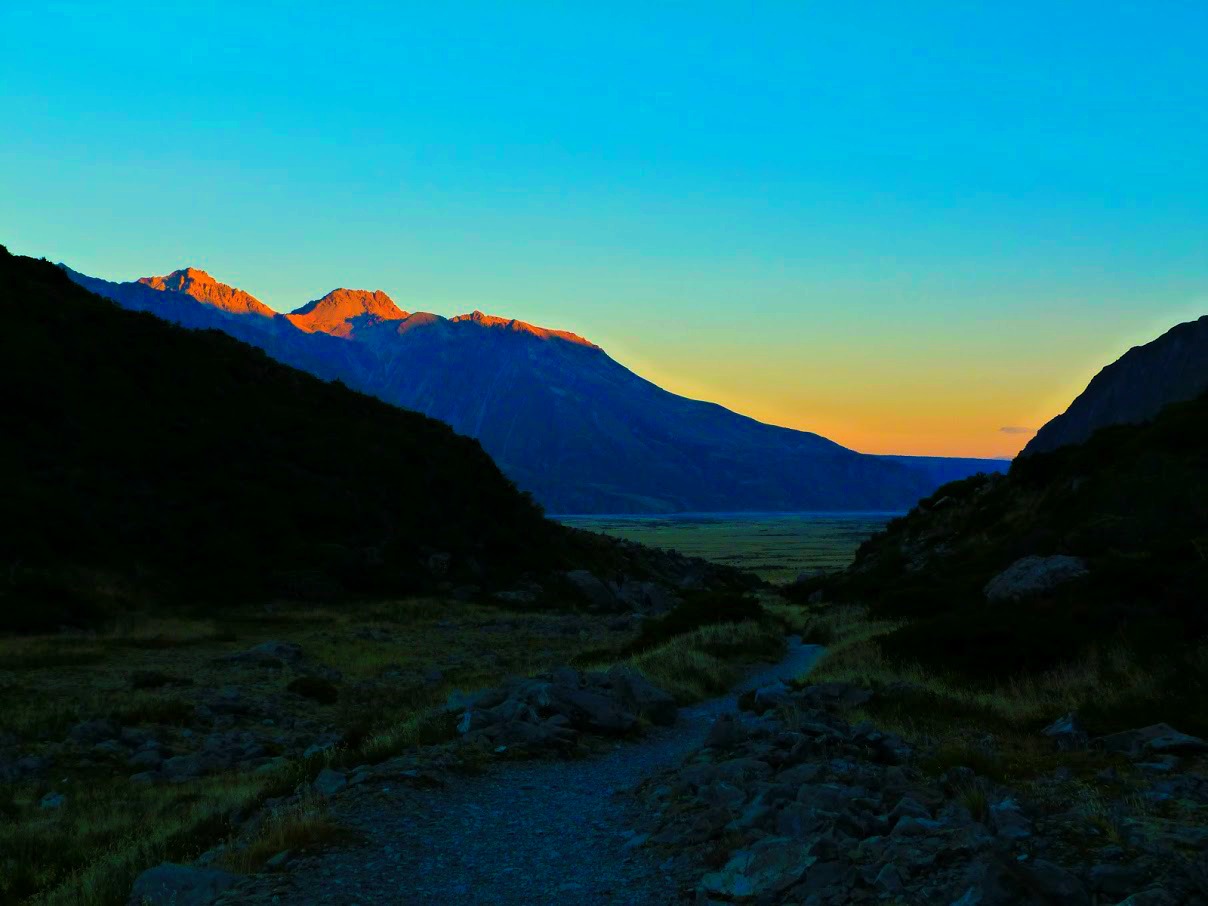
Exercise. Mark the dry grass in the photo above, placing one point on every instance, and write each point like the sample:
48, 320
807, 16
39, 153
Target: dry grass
1102, 676
90, 851
304, 824
704, 662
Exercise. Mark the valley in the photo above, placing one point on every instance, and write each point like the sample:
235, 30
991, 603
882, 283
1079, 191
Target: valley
306, 676
777, 547
528, 454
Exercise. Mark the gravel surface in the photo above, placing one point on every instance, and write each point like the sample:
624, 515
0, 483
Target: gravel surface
536, 832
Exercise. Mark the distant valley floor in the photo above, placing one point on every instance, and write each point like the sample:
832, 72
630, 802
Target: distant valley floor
775, 546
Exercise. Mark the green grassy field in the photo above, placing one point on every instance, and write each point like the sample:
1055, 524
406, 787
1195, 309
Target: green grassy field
776, 546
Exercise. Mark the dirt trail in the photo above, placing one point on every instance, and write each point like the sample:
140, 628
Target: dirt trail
539, 832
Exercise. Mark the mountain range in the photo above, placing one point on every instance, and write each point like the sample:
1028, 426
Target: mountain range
560, 417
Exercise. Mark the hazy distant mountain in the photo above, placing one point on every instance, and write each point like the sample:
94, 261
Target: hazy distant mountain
565, 421
1134, 388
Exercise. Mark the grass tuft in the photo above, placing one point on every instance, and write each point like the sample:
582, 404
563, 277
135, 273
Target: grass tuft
305, 824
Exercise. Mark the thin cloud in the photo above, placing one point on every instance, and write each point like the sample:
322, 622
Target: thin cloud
1016, 429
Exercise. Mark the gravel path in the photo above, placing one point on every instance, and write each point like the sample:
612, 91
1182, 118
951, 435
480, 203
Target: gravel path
538, 832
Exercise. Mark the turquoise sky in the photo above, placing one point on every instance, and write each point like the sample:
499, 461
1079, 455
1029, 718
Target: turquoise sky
904, 225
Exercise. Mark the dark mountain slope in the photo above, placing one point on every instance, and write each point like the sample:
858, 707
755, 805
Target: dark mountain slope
562, 418
943, 469
1134, 388
1132, 503
145, 462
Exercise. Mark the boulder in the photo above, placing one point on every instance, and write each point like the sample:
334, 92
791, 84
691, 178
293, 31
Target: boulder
1157, 739
589, 710
644, 597
170, 884
766, 698
329, 782
590, 587
146, 760
725, 733
1009, 821
642, 697
183, 767
1032, 577
765, 869
1051, 883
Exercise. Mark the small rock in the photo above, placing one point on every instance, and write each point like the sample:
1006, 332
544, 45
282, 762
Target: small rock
277, 862
1067, 733
329, 782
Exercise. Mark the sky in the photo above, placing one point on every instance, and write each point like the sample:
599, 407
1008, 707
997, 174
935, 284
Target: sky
910, 227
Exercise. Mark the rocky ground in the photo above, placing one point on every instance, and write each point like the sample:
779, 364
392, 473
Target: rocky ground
791, 803
768, 795
532, 831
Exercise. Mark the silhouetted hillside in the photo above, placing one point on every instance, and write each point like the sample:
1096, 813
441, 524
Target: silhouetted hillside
1130, 506
1134, 388
145, 462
